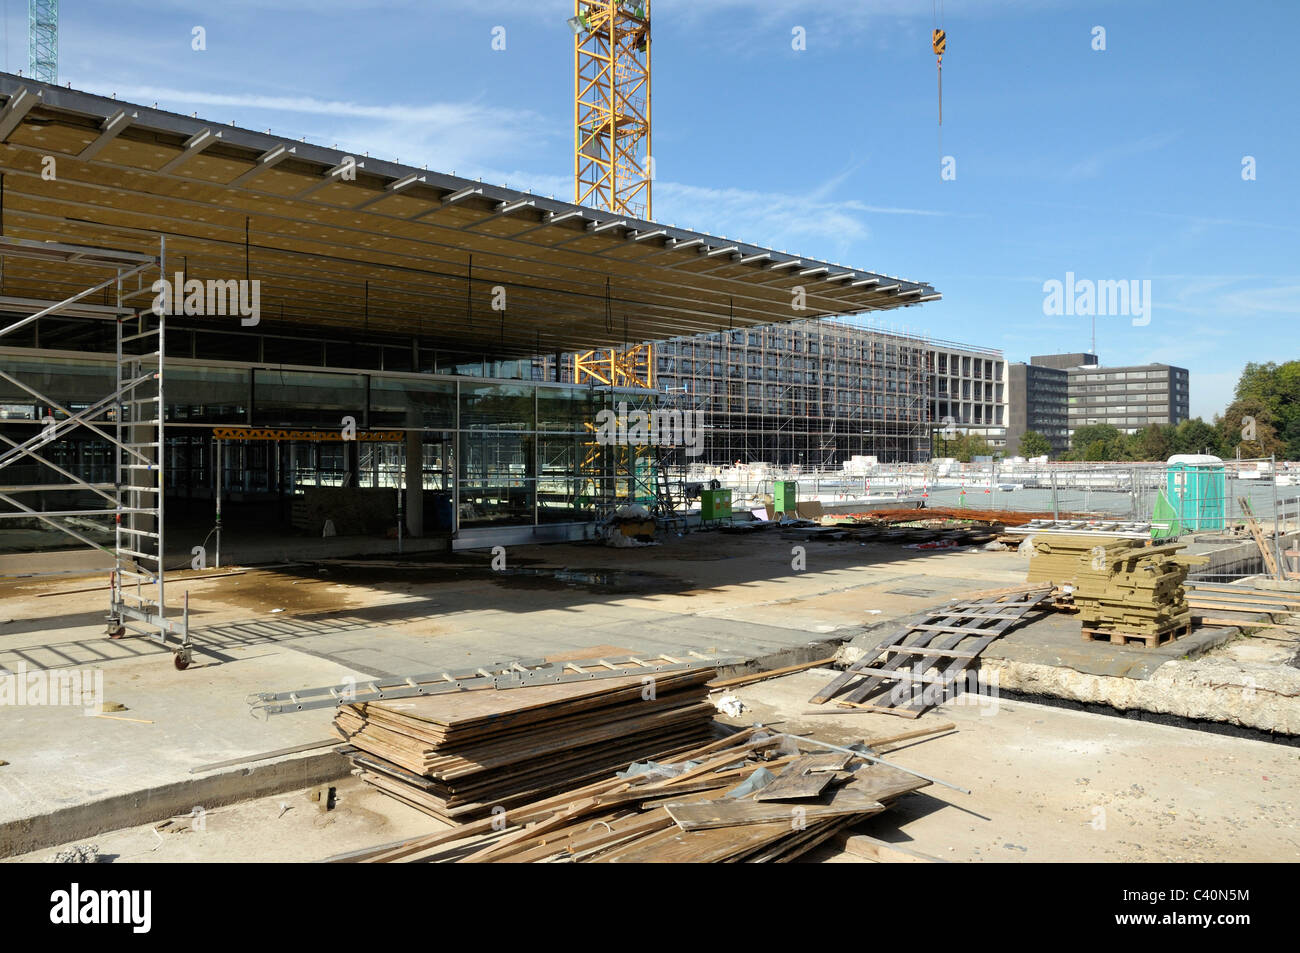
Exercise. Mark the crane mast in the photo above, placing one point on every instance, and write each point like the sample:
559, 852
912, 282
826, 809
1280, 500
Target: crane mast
612, 164
43, 40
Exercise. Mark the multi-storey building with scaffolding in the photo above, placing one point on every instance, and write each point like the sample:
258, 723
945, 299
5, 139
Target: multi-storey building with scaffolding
816, 393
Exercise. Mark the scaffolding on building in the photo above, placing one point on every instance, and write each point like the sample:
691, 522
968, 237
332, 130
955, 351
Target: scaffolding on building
130, 419
808, 394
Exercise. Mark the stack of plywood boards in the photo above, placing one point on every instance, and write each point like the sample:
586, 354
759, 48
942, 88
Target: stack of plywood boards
1125, 590
752, 798
458, 756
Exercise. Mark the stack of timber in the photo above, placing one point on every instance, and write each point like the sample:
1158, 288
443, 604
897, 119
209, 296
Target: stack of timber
1125, 591
1209, 602
753, 797
458, 756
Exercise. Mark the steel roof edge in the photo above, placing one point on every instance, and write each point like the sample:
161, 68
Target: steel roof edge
100, 108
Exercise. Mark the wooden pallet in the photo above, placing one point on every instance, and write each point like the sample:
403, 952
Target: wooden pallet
1115, 637
923, 658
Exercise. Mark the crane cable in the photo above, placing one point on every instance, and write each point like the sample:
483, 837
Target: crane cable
939, 42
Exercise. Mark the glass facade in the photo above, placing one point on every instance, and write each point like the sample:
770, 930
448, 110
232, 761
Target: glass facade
496, 452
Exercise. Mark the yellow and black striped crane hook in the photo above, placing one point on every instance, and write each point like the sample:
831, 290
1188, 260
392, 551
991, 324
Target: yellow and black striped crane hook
940, 44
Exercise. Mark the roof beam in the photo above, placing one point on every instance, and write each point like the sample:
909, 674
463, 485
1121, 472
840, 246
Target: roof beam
552, 218
193, 146
593, 228
19, 105
392, 188
656, 284
503, 208
455, 198
267, 160
332, 176
671, 247
111, 128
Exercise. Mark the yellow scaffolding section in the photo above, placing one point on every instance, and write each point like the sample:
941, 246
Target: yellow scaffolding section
612, 167
631, 367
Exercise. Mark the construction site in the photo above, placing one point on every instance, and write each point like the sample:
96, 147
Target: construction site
352, 511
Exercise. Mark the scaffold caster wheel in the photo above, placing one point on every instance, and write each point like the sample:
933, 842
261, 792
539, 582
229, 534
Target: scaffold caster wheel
116, 631
181, 660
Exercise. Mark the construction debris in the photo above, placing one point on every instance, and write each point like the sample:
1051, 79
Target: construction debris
740, 680
77, 854
966, 514
463, 755
754, 797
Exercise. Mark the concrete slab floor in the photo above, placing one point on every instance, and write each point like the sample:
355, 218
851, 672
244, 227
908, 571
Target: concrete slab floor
1052, 785
1056, 639
304, 626
1047, 786
287, 828
711, 592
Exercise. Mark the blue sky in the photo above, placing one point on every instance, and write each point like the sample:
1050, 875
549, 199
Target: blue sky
1123, 164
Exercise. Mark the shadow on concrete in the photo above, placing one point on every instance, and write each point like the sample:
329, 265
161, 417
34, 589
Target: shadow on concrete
211, 640
590, 584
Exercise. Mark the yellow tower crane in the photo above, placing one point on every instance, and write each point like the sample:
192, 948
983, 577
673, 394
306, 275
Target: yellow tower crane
612, 166
613, 171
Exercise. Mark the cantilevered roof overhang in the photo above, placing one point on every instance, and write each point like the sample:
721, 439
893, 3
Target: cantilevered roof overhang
398, 248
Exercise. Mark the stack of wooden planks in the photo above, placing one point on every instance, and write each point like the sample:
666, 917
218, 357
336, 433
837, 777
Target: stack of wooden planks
1210, 601
461, 755
752, 797
1125, 590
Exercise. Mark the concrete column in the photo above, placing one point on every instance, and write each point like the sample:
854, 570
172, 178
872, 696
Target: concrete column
414, 478
352, 464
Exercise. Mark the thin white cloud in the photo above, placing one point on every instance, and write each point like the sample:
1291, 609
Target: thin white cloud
447, 136
435, 113
1092, 166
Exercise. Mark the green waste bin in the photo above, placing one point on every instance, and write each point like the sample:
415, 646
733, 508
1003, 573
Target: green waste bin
785, 497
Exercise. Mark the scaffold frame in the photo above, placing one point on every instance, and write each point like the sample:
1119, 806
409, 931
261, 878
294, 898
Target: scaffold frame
132, 424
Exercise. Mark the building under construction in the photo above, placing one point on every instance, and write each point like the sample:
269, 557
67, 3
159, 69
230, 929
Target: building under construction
815, 393
386, 375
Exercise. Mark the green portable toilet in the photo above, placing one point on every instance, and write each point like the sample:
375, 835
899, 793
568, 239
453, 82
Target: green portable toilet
1196, 488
